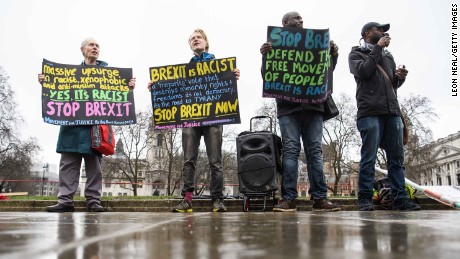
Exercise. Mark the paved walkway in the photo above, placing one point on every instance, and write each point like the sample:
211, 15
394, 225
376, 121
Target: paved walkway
306, 234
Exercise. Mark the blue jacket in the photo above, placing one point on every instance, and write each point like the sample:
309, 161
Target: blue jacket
204, 57
77, 139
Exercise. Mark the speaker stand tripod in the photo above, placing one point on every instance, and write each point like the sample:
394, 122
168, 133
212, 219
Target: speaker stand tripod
256, 204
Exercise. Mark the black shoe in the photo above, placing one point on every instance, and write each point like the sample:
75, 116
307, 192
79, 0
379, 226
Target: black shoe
94, 207
365, 204
60, 208
324, 205
218, 206
405, 205
285, 206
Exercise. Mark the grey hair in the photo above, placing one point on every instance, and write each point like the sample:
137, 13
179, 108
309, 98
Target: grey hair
86, 41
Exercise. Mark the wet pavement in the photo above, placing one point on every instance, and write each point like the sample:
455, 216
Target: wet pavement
306, 234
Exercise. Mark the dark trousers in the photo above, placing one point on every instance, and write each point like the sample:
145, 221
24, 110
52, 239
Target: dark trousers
190, 143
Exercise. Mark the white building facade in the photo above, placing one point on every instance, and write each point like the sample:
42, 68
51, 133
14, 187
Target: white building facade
446, 169
46, 179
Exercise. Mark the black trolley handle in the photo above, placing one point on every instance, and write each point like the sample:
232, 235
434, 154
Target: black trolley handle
261, 117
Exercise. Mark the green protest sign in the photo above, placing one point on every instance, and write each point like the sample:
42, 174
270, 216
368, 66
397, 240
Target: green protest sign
298, 68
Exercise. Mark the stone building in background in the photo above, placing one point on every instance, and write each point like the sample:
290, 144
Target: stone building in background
446, 167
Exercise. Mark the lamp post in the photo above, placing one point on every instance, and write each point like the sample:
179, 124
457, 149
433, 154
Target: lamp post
45, 168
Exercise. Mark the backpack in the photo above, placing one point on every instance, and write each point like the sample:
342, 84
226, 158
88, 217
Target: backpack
382, 193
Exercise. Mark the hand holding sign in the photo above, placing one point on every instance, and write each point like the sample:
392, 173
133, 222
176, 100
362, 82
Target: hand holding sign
334, 49
195, 94
87, 95
297, 64
236, 71
266, 47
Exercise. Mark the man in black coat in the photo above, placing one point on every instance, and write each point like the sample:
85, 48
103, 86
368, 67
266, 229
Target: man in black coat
379, 117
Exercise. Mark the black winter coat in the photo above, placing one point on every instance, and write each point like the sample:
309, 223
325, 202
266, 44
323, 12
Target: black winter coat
374, 94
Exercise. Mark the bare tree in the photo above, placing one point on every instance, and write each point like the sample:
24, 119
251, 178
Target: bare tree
229, 168
229, 156
15, 167
174, 158
268, 108
341, 138
15, 154
132, 160
418, 113
8, 116
202, 173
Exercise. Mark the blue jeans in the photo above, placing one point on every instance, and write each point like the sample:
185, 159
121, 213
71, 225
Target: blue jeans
190, 143
387, 129
309, 126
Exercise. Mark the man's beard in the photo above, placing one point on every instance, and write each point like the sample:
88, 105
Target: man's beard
375, 38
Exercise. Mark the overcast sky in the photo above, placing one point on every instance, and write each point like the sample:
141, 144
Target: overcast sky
140, 34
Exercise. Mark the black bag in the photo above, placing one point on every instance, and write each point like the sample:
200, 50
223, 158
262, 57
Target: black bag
330, 109
382, 193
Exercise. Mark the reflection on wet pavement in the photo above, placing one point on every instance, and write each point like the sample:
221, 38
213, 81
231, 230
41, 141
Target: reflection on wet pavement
347, 234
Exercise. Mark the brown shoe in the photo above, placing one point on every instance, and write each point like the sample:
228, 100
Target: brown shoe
285, 206
324, 205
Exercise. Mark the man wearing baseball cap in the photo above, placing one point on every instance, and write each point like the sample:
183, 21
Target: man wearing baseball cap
369, 25
379, 118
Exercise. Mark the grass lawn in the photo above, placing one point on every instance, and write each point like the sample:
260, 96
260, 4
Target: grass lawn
79, 198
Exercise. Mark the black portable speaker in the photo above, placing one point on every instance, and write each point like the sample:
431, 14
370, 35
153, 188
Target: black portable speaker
259, 160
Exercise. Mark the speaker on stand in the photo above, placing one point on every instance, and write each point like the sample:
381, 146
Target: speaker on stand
259, 161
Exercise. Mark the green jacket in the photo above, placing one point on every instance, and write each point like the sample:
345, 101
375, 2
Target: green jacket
77, 139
